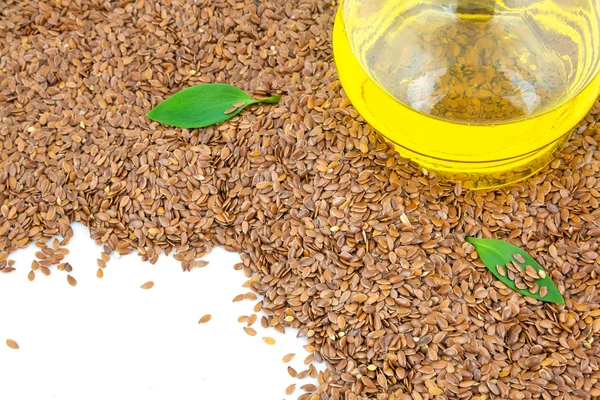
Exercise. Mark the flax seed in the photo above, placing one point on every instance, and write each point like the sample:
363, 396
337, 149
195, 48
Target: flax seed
290, 389
500, 270
249, 331
72, 281
239, 297
268, 340
205, 318
519, 258
542, 274
147, 285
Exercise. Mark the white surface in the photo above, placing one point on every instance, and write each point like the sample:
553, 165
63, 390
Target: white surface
109, 339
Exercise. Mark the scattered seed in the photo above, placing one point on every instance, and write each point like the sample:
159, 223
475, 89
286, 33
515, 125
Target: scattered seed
239, 297
231, 110
292, 372
268, 340
288, 357
531, 272
31, 275
500, 270
238, 105
148, 285
290, 389
542, 274
12, 344
519, 258
534, 288
249, 331
543, 291
251, 320
303, 374
204, 319
99, 273
309, 388
72, 281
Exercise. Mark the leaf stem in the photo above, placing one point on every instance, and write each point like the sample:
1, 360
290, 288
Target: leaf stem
268, 100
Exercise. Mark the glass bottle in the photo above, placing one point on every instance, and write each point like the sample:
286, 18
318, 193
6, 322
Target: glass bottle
484, 92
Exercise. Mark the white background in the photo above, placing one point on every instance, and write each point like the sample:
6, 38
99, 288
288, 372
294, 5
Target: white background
109, 339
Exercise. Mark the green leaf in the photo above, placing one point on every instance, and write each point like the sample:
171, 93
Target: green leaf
494, 253
203, 105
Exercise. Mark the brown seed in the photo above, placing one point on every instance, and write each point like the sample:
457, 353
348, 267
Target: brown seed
242, 318
531, 272
31, 275
239, 297
290, 389
268, 340
45, 270
204, 319
500, 270
511, 267
519, 258
72, 281
250, 296
148, 285
292, 372
309, 388
542, 274
534, 288
251, 320
303, 374
288, 357
239, 104
249, 331
543, 291
231, 110
12, 344
99, 273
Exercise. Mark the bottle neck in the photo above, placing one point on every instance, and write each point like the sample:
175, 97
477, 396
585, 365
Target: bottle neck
477, 10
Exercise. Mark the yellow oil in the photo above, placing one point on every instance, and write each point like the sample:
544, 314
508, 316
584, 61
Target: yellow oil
483, 92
